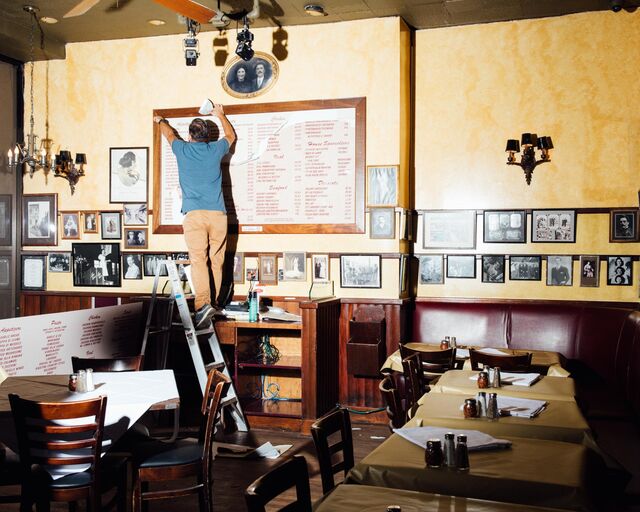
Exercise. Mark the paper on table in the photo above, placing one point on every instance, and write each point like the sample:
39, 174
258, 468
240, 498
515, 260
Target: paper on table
520, 407
517, 379
492, 351
476, 440
462, 353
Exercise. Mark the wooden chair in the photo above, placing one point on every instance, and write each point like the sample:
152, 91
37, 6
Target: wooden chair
415, 382
331, 423
507, 363
433, 362
396, 410
186, 458
292, 473
45, 441
117, 364
10, 472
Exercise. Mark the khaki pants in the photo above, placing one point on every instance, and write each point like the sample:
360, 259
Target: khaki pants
205, 232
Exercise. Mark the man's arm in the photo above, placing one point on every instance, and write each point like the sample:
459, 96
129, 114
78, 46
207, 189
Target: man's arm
229, 132
165, 129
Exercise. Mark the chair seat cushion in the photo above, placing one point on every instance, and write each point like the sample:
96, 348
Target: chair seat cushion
73, 480
157, 454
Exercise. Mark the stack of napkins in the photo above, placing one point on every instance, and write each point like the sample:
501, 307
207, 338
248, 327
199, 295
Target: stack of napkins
476, 440
519, 379
520, 407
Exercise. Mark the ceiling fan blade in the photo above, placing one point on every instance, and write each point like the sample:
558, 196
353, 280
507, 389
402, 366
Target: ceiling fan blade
189, 9
80, 8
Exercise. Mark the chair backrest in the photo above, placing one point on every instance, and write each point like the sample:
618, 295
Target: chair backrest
396, 413
292, 473
415, 381
214, 393
329, 445
507, 363
433, 361
116, 364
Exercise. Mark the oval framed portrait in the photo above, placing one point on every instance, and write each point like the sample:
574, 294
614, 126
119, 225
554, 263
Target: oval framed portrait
247, 79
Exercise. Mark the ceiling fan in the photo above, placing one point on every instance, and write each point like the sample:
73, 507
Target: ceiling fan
187, 8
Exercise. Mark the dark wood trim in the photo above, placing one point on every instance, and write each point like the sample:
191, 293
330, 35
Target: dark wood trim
537, 302
346, 300
528, 211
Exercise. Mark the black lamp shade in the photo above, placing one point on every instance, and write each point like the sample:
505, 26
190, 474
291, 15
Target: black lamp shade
58, 159
513, 145
81, 158
542, 143
65, 156
549, 143
529, 139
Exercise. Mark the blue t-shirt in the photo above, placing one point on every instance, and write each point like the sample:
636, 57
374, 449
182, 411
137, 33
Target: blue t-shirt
199, 173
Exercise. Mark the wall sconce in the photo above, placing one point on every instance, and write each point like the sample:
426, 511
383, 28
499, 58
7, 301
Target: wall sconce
65, 168
528, 160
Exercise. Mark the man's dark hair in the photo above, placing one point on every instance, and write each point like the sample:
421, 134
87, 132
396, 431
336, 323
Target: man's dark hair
198, 130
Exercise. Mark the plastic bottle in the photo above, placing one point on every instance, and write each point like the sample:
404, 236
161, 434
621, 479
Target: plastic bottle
253, 307
462, 453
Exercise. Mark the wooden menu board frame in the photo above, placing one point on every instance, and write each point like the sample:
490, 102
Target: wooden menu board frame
359, 107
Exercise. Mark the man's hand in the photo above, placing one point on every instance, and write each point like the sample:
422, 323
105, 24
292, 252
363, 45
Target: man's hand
218, 110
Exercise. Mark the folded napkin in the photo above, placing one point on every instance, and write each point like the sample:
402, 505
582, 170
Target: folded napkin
476, 440
492, 351
519, 379
520, 407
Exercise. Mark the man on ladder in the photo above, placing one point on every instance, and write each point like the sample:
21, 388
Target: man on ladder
205, 222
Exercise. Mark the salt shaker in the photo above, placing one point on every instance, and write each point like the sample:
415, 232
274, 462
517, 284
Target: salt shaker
454, 344
89, 380
492, 407
462, 453
495, 381
449, 450
491, 376
82, 382
433, 454
481, 400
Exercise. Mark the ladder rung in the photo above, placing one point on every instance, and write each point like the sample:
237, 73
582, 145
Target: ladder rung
214, 366
208, 330
158, 331
229, 400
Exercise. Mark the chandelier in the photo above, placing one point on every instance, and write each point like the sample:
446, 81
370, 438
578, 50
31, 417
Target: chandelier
528, 160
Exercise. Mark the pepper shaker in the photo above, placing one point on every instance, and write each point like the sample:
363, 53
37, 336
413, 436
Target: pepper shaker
82, 382
492, 407
449, 450
462, 453
433, 454
454, 343
495, 381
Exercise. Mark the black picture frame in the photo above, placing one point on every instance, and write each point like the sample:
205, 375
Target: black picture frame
559, 270
33, 272
623, 226
39, 219
431, 269
449, 229
505, 226
360, 271
96, 264
59, 262
525, 268
110, 225
136, 238
493, 268
6, 215
5, 271
132, 267
150, 261
590, 271
553, 226
461, 266
129, 175
616, 277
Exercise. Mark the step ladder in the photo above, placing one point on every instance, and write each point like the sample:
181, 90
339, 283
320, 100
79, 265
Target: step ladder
230, 403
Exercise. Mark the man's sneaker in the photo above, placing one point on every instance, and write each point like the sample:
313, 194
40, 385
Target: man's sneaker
203, 316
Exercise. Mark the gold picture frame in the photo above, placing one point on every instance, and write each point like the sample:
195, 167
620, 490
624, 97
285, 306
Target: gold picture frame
244, 79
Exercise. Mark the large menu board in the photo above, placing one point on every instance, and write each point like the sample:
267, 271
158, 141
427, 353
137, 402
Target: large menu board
297, 167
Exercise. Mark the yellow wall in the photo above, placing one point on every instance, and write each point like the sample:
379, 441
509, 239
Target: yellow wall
103, 94
574, 78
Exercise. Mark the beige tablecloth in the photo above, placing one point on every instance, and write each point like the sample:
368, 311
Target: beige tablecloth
560, 421
547, 388
356, 498
531, 472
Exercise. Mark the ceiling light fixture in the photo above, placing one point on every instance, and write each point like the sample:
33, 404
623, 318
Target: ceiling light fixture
244, 39
191, 52
314, 10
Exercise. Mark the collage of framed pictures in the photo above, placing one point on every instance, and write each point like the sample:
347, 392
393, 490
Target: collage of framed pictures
507, 226
553, 226
39, 219
449, 229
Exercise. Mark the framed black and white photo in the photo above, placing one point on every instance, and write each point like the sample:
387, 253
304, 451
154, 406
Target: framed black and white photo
623, 226
268, 269
135, 238
5, 271
553, 226
59, 262
449, 229
238, 268
559, 270
96, 264
128, 175
404, 274
508, 226
431, 269
153, 262
619, 271
360, 271
40, 219
110, 225
320, 266
135, 214
525, 268
5, 219
131, 265
34, 272
382, 223
252, 274
461, 266
70, 225
294, 266
493, 269
382, 185
247, 79
90, 222
590, 271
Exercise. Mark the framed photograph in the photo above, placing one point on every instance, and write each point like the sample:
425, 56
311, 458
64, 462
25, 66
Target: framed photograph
59, 262
110, 225
34, 272
508, 226
360, 271
619, 271
135, 238
431, 269
449, 229
553, 226
238, 268
268, 264
247, 79
6, 237
70, 225
294, 266
5, 271
252, 274
382, 185
623, 226
128, 175
461, 266
589, 271
90, 222
493, 269
559, 270
320, 265
135, 214
96, 264
525, 268
40, 219
404, 261
382, 223
154, 261
131, 265
180, 256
